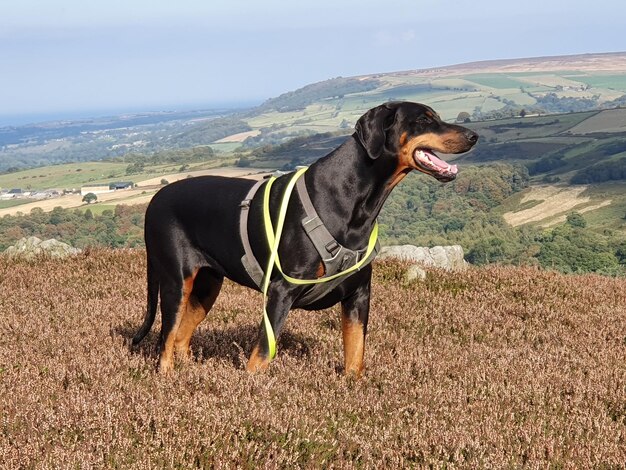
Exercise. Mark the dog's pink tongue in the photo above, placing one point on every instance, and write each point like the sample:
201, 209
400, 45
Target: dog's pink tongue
441, 164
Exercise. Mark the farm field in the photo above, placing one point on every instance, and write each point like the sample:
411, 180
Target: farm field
69, 201
140, 195
63, 176
611, 120
542, 205
552, 204
611, 216
74, 175
12, 203
490, 368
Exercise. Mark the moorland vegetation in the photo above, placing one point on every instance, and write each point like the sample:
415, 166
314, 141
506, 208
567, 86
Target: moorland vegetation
497, 367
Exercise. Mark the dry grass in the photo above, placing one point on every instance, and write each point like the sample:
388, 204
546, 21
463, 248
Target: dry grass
495, 368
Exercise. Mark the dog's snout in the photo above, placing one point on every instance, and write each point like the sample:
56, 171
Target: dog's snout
471, 136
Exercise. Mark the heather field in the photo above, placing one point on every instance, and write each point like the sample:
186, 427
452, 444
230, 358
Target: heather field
494, 368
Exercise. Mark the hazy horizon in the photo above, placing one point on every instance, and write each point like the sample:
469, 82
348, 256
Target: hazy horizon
24, 119
71, 58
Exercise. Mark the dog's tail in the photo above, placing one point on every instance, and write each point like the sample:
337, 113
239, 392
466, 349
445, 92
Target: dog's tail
153, 295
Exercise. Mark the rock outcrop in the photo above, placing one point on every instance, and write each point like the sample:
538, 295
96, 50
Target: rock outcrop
31, 247
446, 257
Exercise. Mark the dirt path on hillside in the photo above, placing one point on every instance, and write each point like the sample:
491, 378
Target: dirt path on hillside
555, 201
240, 137
69, 201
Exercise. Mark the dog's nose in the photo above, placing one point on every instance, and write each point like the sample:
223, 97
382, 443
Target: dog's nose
471, 136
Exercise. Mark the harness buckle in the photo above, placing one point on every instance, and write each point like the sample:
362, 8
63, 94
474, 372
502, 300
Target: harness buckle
333, 248
245, 204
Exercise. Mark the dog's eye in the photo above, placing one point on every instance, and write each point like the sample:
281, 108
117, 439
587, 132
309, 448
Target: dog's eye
423, 120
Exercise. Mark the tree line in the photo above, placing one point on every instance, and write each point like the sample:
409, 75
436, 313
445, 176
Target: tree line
118, 228
467, 212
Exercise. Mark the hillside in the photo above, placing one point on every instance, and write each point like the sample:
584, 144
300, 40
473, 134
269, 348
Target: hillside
576, 161
496, 367
483, 90
579, 156
97, 139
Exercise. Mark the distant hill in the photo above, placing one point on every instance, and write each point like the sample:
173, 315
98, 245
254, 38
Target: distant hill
56, 142
484, 90
481, 90
561, 118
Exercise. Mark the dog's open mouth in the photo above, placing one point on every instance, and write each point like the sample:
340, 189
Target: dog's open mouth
432, 164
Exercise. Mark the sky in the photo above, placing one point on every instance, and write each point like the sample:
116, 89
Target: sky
67, 57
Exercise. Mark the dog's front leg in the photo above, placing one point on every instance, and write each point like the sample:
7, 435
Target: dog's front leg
279, 302
354, 314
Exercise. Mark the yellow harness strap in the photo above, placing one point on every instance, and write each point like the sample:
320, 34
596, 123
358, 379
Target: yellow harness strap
273, 239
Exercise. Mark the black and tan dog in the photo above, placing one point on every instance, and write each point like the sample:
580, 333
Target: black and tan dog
193, 240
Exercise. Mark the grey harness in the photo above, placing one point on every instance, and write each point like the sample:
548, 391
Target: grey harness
335, 256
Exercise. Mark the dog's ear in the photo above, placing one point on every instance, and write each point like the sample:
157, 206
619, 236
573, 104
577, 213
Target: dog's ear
371, 129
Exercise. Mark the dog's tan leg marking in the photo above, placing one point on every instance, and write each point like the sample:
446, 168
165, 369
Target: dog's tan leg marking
257, 362
195, 312
191, 318
353, 333
166, 362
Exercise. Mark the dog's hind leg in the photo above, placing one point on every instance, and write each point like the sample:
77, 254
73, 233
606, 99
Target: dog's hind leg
206, 287
354, 316
174, 298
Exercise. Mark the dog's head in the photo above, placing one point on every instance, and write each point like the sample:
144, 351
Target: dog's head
412, 133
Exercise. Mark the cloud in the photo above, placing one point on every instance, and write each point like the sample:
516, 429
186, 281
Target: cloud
393, 38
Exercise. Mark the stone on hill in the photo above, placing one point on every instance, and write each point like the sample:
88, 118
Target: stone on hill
445, 257
31, 247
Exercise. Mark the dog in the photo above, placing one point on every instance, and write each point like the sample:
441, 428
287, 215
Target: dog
193, 240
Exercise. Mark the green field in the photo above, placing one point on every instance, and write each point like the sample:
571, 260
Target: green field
70, 175
614, 82
97, 208
74, 175
225, 147
529, 128
13, 202
612, 216
493, 80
